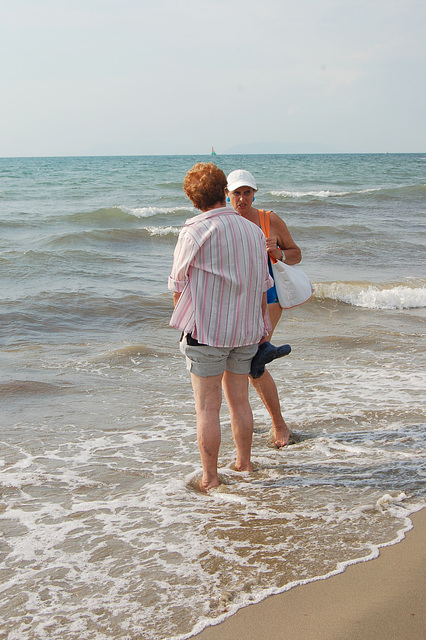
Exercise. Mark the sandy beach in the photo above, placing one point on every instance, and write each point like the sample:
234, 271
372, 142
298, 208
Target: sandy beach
382, 599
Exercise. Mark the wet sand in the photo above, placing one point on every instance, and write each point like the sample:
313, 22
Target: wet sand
382, 599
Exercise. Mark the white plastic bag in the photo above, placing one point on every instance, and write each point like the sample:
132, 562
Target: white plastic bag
292, 284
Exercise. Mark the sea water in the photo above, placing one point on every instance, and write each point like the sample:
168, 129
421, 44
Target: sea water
102, 535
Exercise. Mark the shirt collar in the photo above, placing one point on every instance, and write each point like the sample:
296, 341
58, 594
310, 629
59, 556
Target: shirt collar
211, 214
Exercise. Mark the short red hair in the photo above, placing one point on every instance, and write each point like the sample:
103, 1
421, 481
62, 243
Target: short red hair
205, 185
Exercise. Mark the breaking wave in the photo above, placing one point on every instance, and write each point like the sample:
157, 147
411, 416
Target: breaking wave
323, 193
372, 296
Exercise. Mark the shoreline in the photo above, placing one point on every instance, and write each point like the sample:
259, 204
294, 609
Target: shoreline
378, 599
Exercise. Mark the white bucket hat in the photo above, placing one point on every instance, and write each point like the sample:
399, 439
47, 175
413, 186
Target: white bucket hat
241, 178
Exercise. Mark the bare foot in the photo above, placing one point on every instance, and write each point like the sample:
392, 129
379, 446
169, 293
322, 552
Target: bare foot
281, 435
198, 484
242, 467
206, 484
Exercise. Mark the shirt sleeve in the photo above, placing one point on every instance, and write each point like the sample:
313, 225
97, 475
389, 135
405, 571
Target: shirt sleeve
267, 322
269, 282
184, 253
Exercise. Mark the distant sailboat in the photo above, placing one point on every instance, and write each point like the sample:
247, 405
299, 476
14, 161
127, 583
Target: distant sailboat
213, 152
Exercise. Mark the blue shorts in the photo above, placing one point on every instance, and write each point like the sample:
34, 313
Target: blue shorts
271, 294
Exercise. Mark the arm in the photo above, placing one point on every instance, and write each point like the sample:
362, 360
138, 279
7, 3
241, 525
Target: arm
183, 255
281, 236
266, 318
264, 304
176, 296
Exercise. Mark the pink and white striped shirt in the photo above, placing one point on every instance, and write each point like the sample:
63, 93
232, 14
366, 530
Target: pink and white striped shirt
220, 268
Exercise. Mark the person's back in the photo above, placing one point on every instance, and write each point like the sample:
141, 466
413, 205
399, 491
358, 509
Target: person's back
223, 304
219, 281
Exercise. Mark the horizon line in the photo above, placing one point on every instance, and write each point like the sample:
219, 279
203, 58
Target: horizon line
210, 155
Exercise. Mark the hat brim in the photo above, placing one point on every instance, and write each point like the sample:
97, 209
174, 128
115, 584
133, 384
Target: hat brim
239, 183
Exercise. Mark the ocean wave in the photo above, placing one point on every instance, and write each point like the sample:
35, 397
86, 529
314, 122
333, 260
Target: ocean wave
163, 231
54, 314
15, 388
106, 216
417, 189
369, 296
109, 236
134, 354
119, 215
322, 193
150, 212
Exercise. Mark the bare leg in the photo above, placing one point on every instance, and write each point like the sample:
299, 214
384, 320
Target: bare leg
208, 399
235, 387
268, 393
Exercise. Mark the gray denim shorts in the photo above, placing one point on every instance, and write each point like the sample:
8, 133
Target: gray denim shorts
205, 361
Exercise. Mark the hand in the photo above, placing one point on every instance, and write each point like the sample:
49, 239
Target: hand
271, 246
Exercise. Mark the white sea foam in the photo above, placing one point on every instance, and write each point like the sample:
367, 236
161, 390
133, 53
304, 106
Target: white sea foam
149, 212
321, 193
389, 502
163, 231
373, 296
117, 541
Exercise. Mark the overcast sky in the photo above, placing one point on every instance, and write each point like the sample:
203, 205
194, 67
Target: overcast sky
141, 77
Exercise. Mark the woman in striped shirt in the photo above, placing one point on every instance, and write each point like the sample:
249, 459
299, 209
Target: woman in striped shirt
219, 281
